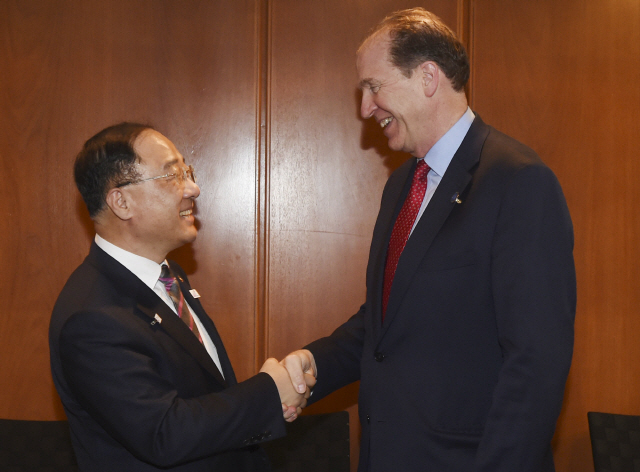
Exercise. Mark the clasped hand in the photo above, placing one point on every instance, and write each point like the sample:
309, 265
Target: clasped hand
294, 376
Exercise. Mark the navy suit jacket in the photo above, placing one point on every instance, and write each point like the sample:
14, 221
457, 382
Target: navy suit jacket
143, 395
467, 372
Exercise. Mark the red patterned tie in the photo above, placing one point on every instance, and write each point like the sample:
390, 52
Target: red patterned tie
402, 228
174, 292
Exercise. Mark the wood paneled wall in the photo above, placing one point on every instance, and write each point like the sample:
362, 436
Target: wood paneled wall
327, 172
260, 95
70, 68
562, 77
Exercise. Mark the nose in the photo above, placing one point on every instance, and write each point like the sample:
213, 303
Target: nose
191, 189
368, 106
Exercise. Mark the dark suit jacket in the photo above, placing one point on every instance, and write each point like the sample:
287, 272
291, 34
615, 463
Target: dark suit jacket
467, 372
142, 395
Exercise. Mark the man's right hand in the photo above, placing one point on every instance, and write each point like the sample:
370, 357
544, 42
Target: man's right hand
302, 369
288, 395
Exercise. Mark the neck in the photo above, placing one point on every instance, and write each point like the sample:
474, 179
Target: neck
125, 241
446, 113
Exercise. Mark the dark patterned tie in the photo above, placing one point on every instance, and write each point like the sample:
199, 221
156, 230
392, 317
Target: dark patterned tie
402, 228
173, 289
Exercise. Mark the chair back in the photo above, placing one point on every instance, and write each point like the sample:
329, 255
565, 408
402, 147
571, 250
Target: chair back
36, 446
314, 443
615, 442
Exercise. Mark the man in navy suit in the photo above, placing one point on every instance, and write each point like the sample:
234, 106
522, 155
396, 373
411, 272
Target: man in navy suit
141, 370
464, 342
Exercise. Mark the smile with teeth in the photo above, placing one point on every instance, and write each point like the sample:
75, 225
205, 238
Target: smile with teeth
386, 121
186, 212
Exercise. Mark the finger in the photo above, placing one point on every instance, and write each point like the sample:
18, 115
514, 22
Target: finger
289, 412
293, 364
292, 418
309, 380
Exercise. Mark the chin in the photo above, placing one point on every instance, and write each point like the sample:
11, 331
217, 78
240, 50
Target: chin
190, 236
395, 146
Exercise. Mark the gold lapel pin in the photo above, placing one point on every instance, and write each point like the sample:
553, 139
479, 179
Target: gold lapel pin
454, 198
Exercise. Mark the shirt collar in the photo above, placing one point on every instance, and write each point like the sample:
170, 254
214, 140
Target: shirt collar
441, 153
145, 269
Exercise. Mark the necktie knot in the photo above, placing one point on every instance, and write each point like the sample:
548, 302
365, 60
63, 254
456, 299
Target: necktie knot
422, 170
166, 277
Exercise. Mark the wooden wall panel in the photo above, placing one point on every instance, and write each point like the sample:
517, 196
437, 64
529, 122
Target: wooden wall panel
562, 77
291, 180
327, 171
71, 68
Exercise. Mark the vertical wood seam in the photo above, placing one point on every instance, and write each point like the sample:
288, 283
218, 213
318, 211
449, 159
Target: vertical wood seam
263, 50
465, 20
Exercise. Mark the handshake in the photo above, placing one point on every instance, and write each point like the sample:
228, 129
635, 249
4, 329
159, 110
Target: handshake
294, 376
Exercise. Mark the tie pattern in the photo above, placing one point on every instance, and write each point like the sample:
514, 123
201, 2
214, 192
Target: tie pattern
402, 228
174, 292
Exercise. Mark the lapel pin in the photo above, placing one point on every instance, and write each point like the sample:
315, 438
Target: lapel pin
180, 279
156, 319
454, 198
194, 293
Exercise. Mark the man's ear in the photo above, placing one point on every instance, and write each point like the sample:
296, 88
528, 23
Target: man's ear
430, 76
117, 201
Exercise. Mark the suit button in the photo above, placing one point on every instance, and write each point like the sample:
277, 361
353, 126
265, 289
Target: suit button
368, 419
379, 356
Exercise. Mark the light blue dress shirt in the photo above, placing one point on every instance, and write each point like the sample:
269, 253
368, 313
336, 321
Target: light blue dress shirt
440, 155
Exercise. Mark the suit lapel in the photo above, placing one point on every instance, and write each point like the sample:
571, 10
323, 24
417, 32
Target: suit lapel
455, 180
180, 333
151, 305
209, 325
397, 191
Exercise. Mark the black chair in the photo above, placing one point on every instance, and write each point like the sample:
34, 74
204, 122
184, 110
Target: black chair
615, 442
36, 446
314, 443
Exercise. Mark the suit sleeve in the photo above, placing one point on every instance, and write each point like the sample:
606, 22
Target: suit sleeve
117, 377
534, 292
338, 356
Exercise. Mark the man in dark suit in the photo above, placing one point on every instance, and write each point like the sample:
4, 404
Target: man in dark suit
464, 342
140, 368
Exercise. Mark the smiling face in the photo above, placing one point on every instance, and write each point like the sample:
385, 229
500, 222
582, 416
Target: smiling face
161, 209
398, 103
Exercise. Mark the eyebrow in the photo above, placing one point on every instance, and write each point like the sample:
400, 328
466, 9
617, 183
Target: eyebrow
171, 163
363, 83
368, 82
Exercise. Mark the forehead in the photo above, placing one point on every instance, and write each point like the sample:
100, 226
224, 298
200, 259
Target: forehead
372, 60
156, 150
